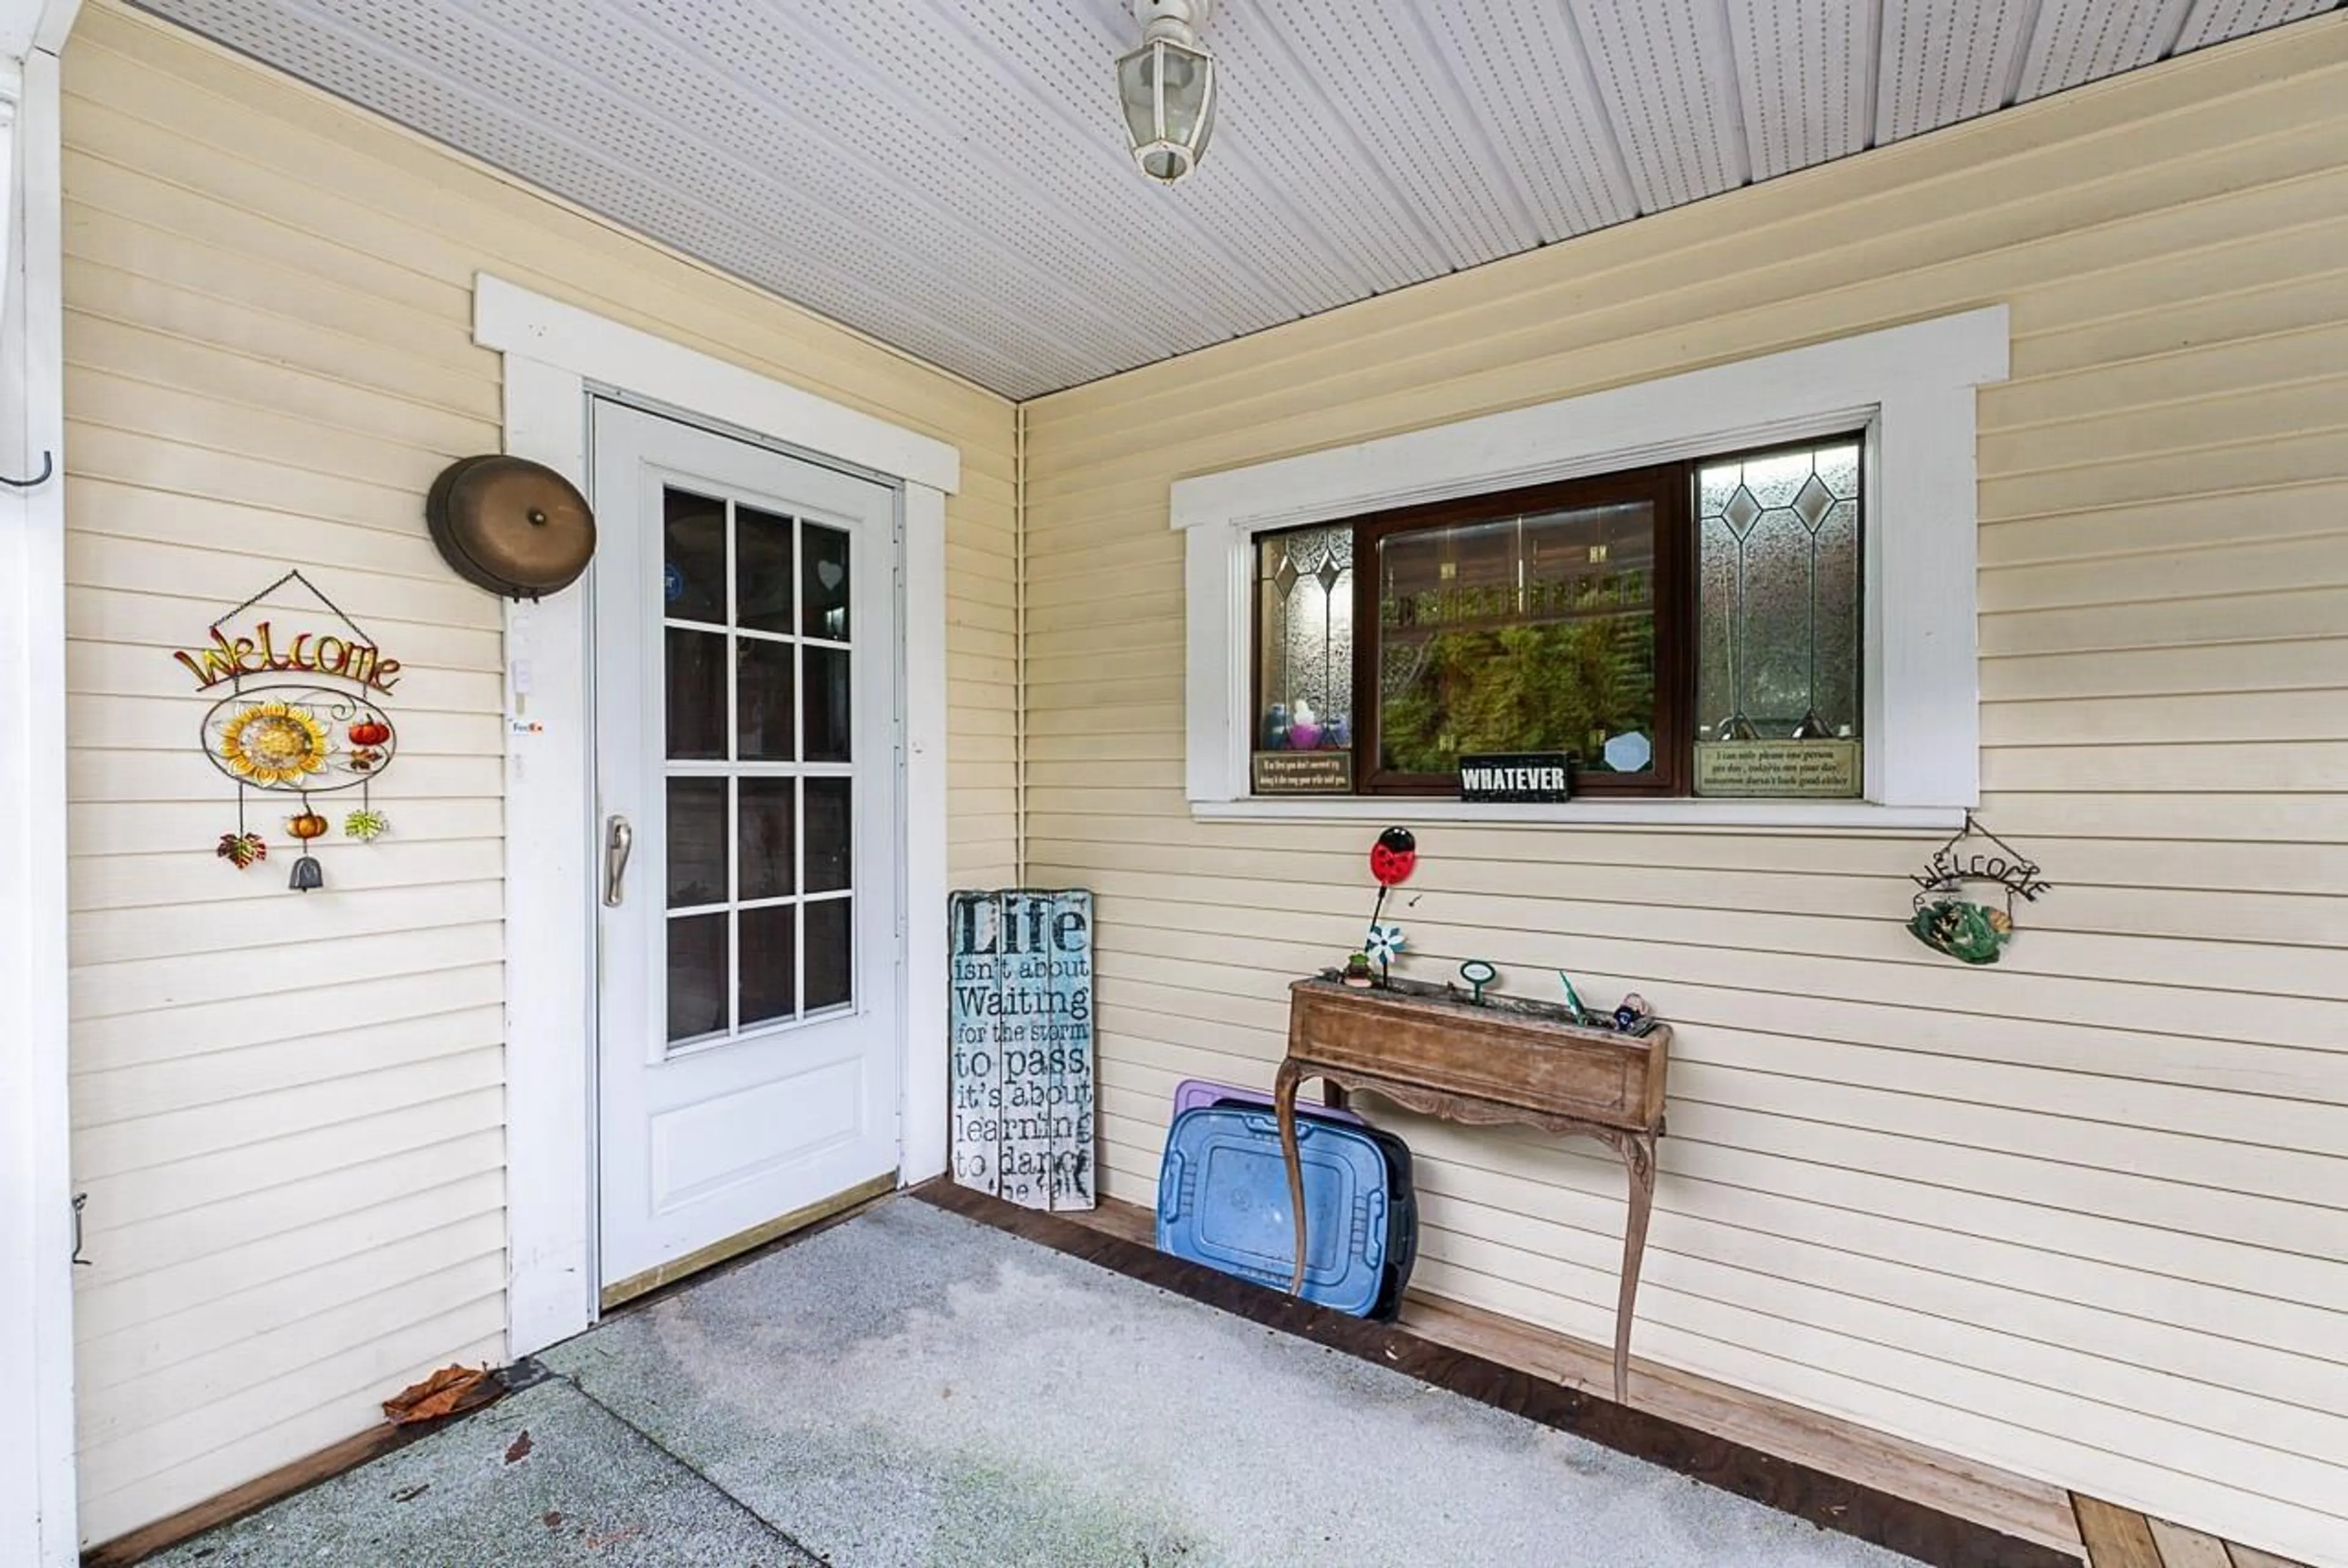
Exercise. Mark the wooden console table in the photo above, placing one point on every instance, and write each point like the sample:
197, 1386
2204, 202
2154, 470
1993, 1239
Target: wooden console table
1505, 1061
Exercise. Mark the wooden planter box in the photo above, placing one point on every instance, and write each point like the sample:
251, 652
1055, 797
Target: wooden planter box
1500, 1062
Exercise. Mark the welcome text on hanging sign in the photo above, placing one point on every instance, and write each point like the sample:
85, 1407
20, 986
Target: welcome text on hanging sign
309, 653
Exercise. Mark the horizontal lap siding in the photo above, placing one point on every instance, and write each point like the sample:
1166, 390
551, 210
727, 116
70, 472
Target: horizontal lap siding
288, 1111
2083, 1214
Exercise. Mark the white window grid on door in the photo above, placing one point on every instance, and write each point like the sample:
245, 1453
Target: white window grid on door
733, 769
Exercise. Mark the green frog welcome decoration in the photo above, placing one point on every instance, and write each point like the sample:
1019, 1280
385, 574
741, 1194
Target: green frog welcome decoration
1947, 914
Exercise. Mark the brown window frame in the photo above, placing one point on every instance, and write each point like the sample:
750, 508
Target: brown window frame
1671, 489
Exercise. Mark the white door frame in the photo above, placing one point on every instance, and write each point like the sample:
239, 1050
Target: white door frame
555, 354
38, 1524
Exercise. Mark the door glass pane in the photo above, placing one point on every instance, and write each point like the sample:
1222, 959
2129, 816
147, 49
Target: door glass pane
824, 594
770, 963
696, 694
696, 841
756, 607
763, 684
1534, 633
769, 836
762, 566
697, 977
692, 570
827, 704
829, 839
830, 965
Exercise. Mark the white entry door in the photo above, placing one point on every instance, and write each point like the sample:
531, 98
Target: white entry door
746, 775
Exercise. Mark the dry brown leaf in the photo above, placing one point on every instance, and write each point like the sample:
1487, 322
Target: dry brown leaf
437, 1396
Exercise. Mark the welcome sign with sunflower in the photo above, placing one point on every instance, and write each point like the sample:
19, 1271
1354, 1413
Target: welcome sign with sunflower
302, 717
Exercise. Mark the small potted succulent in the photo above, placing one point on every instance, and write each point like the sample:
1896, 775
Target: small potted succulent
1358, 973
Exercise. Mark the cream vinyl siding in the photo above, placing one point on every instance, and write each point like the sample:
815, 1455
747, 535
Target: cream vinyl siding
288, 1109
2083, 1214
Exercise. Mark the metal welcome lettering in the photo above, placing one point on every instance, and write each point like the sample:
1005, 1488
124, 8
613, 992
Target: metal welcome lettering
1021, 1020
232, 658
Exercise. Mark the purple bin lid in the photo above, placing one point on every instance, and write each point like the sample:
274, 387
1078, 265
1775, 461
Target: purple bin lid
1193, 1093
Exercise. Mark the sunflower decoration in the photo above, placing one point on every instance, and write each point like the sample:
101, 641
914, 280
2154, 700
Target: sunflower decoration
275, 744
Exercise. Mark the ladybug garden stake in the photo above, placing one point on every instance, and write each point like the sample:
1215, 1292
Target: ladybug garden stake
1392, 860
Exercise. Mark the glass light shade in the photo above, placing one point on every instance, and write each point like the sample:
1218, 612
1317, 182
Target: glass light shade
1167, 92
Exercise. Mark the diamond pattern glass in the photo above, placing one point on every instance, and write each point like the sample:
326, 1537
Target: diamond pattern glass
1779, 595
1304, 587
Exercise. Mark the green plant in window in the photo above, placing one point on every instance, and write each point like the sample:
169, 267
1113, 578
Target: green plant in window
1563, 686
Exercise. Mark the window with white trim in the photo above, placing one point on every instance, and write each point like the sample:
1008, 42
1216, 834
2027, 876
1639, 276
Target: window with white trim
1761, 573
1683, 628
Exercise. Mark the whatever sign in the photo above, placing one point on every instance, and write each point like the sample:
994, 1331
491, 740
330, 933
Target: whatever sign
1510, 776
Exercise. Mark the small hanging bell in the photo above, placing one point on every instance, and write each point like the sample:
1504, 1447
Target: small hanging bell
307, 874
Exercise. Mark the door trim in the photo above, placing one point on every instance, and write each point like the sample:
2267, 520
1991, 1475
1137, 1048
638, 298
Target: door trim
552, 353
37, 1430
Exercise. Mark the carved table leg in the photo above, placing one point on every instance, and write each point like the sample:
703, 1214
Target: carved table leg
1638, 1152
1283, 1107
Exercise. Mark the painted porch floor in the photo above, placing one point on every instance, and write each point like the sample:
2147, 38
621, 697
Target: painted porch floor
913, 1388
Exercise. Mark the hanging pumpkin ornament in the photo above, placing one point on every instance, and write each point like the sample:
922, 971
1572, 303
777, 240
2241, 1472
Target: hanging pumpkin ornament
307, 826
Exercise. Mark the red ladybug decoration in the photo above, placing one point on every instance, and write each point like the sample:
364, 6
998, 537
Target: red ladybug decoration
1394, 856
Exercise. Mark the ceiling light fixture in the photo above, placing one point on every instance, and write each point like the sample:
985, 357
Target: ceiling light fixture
1167, 88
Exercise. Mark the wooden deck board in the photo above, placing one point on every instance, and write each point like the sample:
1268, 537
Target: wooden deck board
2116, 1537
2251, 1557
2011, 1504
2183, 1548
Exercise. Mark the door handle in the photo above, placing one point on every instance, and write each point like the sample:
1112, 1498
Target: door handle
619, 839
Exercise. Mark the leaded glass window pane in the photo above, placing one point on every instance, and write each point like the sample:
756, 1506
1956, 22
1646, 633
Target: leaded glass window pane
1779, 622
1304, 593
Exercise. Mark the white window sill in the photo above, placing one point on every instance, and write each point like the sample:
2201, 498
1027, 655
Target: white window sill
1839, 816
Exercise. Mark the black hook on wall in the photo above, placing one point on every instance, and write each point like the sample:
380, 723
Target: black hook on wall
48, 466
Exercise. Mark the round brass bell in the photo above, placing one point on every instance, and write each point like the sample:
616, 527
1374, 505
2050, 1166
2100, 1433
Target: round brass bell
516, 528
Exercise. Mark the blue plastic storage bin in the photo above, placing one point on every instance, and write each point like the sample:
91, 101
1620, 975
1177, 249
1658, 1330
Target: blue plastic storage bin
1223, 1201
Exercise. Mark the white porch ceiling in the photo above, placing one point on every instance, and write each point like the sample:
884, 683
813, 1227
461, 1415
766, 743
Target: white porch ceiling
950, 175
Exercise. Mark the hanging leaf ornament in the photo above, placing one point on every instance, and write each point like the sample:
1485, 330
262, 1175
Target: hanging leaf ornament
242, 849
365, 825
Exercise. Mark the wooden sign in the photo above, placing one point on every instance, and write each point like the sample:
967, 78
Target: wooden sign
1778, 769
1301, 773
1511, 776
1020, 1013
